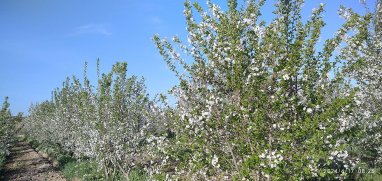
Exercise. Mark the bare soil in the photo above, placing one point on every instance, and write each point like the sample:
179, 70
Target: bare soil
24, 163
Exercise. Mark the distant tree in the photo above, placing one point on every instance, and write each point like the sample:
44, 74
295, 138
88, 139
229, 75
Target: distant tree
7, 130
110, 124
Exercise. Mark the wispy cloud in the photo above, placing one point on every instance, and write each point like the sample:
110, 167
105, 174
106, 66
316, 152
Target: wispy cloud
92, 28
156, 20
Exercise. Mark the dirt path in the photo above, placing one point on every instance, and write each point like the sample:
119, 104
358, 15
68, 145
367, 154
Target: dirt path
25, 164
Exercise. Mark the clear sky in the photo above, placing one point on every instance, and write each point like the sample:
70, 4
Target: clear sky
44, 41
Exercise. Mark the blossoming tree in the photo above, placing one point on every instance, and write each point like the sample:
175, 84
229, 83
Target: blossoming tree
259, 99
363, 52
7, 130
256, 100
110, 124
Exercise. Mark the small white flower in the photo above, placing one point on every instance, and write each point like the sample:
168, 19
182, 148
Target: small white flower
255, 69
357, 102
309, 110
345, 154
206, 114
214, 161
247, 21
286, 77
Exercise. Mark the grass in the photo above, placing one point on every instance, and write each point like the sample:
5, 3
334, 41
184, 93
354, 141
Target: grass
138, 175
82, 170
376, 175
87, 170
2, 160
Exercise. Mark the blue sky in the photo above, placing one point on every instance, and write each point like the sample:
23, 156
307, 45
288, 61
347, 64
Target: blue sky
44, 41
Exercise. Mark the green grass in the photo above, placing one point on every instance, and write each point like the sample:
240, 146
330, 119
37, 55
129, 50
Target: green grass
2, 160
375, 176
138, 175
87, 170
84, 170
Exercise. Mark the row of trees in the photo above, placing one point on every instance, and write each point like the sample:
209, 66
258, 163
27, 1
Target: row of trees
263, 100
110, 123
7, 130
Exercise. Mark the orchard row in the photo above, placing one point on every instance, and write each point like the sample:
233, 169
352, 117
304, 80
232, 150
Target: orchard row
264, 100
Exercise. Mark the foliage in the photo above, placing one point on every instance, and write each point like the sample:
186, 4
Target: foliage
7, 127
84, 170
88, 170
263, 100
109, 124
256, 100
363, 52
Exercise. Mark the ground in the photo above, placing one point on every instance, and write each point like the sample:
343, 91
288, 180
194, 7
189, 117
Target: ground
24, 163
